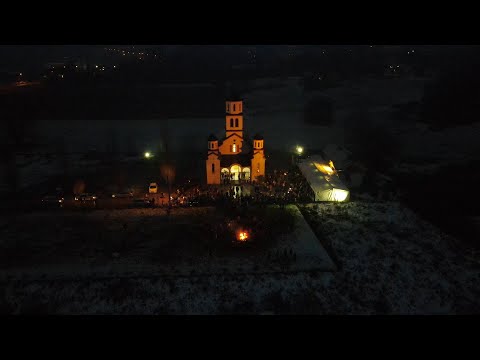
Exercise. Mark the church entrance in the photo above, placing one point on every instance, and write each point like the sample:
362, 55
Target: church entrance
225, 175
246, 173
235, 172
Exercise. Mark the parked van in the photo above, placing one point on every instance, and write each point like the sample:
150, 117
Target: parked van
152, 189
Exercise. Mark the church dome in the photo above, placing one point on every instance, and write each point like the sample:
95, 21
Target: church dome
212, 138
258, 137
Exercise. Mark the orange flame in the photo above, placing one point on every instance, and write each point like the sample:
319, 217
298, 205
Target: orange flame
242, 236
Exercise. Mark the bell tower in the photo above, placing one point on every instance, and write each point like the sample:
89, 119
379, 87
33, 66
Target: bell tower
213, 161
234, 118
258, 158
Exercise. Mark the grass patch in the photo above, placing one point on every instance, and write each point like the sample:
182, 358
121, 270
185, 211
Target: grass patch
148, 237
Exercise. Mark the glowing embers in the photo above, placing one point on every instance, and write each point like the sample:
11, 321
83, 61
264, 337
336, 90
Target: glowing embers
243, 236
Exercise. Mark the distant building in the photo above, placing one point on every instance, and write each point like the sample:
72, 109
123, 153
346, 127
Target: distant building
233, 159
398, 70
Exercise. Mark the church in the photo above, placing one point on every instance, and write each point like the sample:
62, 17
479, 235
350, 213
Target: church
234, 159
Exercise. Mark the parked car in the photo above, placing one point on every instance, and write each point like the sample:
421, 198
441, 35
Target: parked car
122, 195
141, 203
153, 188
53, 201
85, 197
193, 203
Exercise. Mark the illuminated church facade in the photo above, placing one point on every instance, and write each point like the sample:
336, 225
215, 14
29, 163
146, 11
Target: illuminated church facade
233, 159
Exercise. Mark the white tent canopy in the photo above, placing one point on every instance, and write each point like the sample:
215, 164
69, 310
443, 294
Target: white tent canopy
322, 179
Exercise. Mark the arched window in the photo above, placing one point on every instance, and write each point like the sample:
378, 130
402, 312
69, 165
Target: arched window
234, 148
236, 122
231, 122
233, 107
213, 168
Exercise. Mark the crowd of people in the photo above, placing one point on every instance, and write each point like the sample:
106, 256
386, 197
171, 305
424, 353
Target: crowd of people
287, 186
279, 187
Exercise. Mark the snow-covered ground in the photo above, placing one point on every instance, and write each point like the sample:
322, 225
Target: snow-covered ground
391, 262
390, 255
276, 111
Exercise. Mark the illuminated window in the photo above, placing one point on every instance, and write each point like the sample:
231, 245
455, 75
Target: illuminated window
234, 148
231, 122
236, 122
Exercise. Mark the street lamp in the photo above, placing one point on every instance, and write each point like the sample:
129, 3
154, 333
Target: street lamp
297, 153
147, 155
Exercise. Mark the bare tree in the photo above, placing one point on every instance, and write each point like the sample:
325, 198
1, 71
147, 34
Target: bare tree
167, 168
63, 160
167, 171
19, 136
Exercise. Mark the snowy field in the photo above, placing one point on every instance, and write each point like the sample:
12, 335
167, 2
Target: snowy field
36, 168
389, 255
390, 261
276, 111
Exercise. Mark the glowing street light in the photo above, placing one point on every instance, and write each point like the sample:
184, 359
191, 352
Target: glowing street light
297, 154
147, 155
